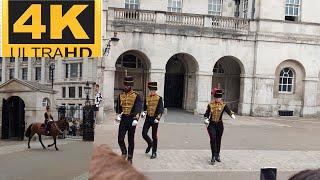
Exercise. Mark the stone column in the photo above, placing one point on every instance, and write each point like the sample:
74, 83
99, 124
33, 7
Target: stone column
158, 75
29, 73
4, 69
244, 106
16, 68
203, 95
108, 94
59, 70
263, 103
310, 97
43, 70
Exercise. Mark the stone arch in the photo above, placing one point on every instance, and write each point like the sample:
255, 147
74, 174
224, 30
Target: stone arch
13, 118
180, 82
135, 63
226, 76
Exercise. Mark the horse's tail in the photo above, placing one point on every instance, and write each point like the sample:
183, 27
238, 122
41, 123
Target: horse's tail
28, 132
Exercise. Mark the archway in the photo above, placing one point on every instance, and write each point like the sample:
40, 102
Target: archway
136, 64
13, 118
180, 82
226, 76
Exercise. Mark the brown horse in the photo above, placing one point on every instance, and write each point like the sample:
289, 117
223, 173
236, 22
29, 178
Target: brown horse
38, 128
105, 164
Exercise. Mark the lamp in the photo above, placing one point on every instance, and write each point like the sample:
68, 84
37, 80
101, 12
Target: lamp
52, 67
113, 39
87, 92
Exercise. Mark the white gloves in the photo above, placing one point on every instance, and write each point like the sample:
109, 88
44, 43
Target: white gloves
143, 114
118, 118
156, 121
233, 116
206, 121
134, 123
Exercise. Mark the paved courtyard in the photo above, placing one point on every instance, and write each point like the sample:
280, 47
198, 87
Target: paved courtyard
17, 162
248, 144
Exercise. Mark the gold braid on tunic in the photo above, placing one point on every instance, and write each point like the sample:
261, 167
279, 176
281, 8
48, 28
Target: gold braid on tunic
216, 109
152, 103
127, 101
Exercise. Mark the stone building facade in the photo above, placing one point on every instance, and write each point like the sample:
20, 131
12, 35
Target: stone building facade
28, 82
264, 54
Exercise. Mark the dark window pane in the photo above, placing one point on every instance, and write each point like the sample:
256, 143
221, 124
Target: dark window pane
72, 92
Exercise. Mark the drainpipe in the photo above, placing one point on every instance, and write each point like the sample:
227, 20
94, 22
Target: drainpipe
255, 63
253, 9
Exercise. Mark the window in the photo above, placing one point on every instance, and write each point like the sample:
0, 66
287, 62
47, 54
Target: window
0, 59
67, 70
286, 80
38, 58
80, 73
12, 59
45, 102
174, 6
245, 9
132, 4
11, 73
214, 7
63, 92
72, 92
25, 59
292, 10
38, 74
24, 74
0, 75
129, 61
218, 69
80, 92
73, 70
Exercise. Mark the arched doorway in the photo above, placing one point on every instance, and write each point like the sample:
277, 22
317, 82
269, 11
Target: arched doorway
135, 64
180, 82
226, 76
13, 118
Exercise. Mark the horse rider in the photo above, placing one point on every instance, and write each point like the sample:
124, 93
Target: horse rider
48, 120
128, 109
213, 120
153, 106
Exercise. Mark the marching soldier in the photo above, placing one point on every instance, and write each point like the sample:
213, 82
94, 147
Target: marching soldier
153, 106
128, 109
214, 123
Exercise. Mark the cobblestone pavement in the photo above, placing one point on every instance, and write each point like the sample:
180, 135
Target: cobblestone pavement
18, 162
248, 144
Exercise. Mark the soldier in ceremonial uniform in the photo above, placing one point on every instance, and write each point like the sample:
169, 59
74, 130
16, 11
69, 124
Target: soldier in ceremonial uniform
213, 120
153, 106
128, 109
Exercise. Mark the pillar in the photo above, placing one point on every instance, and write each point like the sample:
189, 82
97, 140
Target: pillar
43, 70
246, 83
108, 93
203, 94
29, 73
158, 75
16, 68
310, 97
4, 69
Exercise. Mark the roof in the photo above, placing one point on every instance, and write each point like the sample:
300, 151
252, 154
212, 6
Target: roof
35, 86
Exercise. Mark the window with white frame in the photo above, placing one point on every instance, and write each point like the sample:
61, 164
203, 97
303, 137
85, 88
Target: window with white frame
174, 6
214, 7
245, 8
292, 10
286, 80
132, 4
